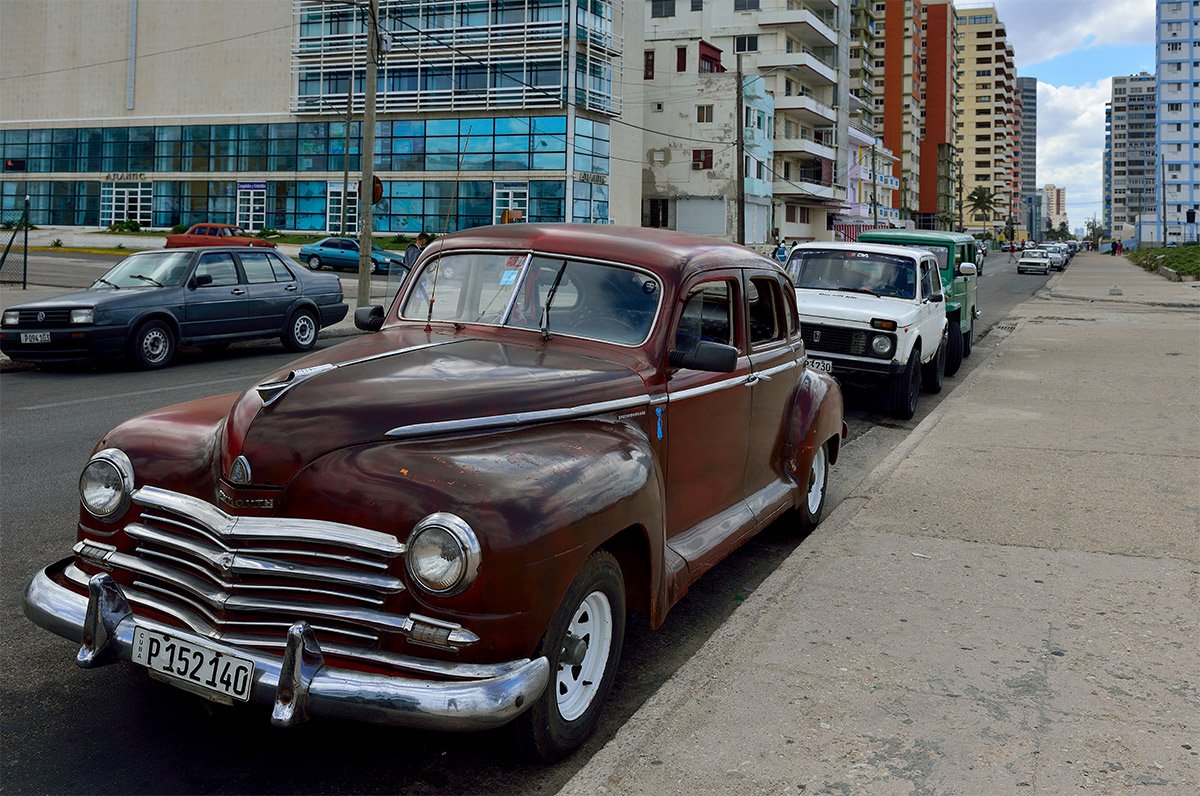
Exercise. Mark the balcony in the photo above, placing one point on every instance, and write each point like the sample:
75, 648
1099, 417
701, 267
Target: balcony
803, 24
804, 146
807, 108
806, 64
802, 188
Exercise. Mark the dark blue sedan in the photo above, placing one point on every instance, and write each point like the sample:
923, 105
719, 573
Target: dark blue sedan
338, 253
154, 301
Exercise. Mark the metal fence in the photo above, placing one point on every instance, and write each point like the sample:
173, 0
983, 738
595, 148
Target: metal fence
14, 234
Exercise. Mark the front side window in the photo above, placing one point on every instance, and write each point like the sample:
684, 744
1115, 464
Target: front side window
564, 296
854, 271
220, 266
707, 316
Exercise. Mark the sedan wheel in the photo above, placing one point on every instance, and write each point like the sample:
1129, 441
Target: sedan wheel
314, 263
301, 332
583, 645
153, 345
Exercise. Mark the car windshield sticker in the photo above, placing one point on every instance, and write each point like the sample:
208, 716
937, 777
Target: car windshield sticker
509, 276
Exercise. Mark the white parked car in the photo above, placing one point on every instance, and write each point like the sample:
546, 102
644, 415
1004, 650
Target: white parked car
1060, 255
1035, 260
870, 312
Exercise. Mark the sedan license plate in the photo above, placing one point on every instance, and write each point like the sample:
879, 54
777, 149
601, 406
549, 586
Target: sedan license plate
35, 337
823, 365
198, 668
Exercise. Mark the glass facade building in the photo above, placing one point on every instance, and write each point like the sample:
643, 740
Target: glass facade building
483, 107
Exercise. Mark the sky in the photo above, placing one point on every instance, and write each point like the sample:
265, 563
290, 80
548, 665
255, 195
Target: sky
1073, 48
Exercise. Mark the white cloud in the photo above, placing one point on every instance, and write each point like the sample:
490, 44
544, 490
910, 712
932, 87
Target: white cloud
1071, 144
1043, 29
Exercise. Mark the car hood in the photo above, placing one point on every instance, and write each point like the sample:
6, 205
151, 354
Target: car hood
403, 380
93, 298
836, 305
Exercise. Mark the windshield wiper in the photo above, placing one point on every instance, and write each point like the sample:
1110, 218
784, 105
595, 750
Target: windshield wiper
866, 290
549, 299
148, 279
110, 284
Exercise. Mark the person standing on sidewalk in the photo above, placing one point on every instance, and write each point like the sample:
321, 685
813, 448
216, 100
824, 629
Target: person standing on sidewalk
414, 250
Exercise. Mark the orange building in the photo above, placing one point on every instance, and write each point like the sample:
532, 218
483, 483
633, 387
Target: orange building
937, 208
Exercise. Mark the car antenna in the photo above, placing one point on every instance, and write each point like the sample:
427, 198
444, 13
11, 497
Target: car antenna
550, 298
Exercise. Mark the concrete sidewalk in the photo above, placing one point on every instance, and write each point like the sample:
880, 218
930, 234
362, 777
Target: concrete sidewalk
1009, 603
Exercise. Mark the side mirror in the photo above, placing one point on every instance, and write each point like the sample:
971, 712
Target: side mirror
709, 356
936, 298
200, 280
967, 269
369, 318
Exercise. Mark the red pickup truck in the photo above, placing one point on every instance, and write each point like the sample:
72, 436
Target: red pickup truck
214, 235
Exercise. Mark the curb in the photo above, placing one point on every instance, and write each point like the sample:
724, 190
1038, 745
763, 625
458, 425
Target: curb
710, 661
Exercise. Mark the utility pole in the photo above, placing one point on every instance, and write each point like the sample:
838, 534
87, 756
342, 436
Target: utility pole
740, 232
1163, 204
962, 225
874, 185
368, 157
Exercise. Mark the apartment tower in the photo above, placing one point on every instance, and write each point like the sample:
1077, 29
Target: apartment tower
1130, 157
903, 84
1031, 208
1178, 119
938, 204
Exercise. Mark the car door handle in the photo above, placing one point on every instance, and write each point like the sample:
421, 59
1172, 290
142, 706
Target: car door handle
237, 291
755, 378
290, 287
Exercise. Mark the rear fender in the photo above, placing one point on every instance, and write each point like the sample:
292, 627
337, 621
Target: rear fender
816, 420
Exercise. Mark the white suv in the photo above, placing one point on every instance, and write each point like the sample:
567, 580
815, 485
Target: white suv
870, 312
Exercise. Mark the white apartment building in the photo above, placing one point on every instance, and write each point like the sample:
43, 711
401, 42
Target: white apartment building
797, 51
1130, 181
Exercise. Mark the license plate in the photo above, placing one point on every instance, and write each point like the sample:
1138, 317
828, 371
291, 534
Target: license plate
35, 337
821, 364
196, 667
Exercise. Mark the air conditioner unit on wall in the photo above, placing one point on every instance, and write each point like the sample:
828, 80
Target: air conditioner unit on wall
697, 165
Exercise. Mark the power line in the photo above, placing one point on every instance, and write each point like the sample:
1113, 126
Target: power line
147, 55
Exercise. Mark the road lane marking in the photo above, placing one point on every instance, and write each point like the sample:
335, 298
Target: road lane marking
119, 396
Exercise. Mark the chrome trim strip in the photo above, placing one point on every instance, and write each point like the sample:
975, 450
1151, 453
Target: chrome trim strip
471, 703
517, 418
241, 563
705, 389
269, 529
777, 369
512, 300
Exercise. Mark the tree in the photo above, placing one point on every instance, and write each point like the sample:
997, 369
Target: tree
1062, 232
982, 202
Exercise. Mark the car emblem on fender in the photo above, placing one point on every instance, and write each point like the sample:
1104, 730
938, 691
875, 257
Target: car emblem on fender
239, 473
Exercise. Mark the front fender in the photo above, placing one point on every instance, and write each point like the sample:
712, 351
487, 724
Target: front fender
540, 499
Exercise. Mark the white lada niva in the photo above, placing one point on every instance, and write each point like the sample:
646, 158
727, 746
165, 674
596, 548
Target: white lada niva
873, 313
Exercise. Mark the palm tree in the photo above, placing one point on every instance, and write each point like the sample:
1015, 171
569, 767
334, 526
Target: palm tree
982, 201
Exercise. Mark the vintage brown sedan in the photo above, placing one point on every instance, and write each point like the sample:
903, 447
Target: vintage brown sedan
443, 524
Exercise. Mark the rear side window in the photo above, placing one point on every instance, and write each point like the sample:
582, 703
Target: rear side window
765, 311
261, 267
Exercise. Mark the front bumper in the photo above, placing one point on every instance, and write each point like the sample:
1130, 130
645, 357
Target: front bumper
66, 344
299, 685
844, 365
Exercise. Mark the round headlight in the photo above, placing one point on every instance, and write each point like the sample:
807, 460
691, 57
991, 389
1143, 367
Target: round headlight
881, 344
442, 554
106, 484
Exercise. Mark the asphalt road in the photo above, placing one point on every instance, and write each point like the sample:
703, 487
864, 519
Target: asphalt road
112, 730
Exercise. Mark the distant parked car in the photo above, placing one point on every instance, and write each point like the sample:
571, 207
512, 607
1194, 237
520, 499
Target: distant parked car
342, 253
1034, 260
214, 235
154, 301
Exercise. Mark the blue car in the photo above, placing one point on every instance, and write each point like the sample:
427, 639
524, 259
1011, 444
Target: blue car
338, 253
154, 301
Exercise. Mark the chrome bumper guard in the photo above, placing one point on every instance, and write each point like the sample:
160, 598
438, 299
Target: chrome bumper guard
300, 685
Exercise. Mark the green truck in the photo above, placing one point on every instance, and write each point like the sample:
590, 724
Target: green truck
952, 249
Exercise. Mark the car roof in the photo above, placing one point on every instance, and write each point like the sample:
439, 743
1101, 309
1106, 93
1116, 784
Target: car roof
877, 248
922, 235
665, 252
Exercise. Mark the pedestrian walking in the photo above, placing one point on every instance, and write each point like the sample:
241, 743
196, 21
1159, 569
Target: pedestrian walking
1012, 251
414, 250
781, 252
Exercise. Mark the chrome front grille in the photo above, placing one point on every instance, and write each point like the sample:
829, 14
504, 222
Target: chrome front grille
834, 339
245, 580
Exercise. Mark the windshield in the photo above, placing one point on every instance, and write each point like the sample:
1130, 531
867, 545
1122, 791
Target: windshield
940, 252
855, 271
596, 301
154, 269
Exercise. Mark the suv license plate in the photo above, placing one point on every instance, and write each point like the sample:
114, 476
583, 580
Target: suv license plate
197, 666
821, 364
35, 337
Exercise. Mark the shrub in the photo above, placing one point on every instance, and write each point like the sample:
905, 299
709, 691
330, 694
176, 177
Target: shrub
268, 232
56, 243
179, 229
128, 225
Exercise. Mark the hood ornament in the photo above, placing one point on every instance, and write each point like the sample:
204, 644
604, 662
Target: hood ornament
239, 473
270, 392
